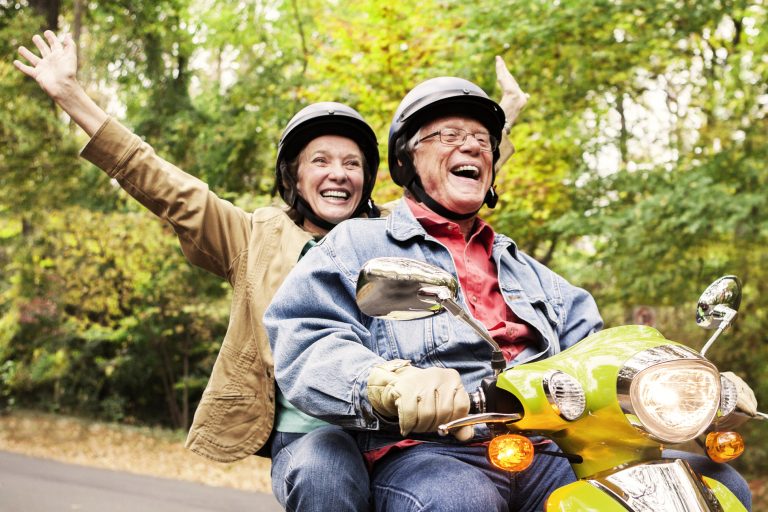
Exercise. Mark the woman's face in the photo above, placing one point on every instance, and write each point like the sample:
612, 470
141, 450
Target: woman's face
331, 177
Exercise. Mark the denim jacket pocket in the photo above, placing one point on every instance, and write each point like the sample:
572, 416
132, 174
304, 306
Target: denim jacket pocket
401, 339
550, 313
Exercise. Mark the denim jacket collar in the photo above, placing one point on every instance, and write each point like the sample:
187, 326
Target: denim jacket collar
402, 226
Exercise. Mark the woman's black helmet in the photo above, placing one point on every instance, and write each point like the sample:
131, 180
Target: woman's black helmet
438, 97
326, 118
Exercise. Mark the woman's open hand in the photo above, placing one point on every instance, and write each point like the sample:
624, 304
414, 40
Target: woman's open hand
56, 67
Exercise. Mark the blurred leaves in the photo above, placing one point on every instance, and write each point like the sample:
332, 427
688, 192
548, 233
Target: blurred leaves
639, 172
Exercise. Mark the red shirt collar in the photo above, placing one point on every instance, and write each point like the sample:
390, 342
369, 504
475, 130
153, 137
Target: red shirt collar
438, 226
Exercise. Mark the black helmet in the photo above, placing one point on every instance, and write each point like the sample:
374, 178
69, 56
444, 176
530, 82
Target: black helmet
326, 118
438, 97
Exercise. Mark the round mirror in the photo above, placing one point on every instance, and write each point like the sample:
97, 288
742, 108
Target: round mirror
725, 292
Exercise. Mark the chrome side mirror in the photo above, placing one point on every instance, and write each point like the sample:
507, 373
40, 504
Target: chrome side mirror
723, 294
717, 306
403, 289
406, 289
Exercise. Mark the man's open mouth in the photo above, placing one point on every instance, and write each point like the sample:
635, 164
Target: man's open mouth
467, 171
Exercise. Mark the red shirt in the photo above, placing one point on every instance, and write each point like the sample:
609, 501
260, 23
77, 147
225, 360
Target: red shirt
478, 278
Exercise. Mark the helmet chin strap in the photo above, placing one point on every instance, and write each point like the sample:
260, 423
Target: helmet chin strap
491, 198
306, 211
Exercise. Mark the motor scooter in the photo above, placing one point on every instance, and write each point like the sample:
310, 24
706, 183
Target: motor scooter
611, 402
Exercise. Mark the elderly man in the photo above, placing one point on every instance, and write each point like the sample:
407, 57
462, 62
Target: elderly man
394, 382
335, 363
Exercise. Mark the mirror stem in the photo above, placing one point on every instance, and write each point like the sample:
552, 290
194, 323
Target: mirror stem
498, 363
728, 315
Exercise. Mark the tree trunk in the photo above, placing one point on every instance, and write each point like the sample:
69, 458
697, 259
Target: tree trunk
77, 27
50, 10
166, 375
185, 392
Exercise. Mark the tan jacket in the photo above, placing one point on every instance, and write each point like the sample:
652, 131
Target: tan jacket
253, 251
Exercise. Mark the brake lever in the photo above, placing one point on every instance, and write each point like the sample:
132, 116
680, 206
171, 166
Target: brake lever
476, 419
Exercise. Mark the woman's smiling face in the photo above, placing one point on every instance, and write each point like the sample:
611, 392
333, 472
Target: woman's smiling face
331, 177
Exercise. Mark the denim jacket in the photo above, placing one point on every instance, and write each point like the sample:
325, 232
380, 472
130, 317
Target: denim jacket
324, 346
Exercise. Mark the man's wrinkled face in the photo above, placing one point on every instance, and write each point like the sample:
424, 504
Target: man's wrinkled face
331, 177
457, 177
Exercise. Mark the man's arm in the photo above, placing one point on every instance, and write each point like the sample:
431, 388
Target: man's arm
322, 348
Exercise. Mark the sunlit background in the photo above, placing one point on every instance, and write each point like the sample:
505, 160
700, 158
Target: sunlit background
639, 173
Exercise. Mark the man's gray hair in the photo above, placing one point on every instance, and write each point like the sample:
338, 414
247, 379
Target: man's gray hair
411, 144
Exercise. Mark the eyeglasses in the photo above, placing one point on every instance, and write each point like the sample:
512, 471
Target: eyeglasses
457, 137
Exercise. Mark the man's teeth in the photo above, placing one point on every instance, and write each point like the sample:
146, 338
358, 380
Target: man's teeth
467, 170
338, 194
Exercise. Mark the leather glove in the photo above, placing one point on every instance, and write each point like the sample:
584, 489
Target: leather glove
746, 403
420, 398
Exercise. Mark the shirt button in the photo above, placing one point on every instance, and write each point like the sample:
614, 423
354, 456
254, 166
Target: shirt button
474, 298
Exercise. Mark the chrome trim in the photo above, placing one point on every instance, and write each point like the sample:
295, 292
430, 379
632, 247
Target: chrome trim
665, 485
728, 396
477, 419
551, 393
642, 361
477, 401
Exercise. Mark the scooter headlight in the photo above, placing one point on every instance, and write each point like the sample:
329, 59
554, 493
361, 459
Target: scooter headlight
670, 393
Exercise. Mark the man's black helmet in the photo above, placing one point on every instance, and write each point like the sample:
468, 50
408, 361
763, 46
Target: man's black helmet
438, 97
325, 118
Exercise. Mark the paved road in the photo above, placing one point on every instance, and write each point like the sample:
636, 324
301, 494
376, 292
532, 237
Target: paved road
29, 484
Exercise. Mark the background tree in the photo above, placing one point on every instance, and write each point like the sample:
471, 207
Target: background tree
639, 173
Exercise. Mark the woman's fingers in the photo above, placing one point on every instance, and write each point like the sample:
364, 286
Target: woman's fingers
53, 41
41, 45
31, 57
507, 82
68, 41
27, 70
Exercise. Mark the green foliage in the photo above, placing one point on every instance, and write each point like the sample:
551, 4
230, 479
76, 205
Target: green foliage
639, 172
106, 311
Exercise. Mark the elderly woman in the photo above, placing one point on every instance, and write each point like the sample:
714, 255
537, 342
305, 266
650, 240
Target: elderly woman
325, 171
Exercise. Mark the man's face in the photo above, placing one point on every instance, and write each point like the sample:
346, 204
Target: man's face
457, 177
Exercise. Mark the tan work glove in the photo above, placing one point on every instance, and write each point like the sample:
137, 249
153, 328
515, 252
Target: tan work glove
420, 398
745, 402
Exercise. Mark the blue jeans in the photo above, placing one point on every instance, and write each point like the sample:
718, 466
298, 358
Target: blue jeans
458, 478
452, 478
723, 473
319, 471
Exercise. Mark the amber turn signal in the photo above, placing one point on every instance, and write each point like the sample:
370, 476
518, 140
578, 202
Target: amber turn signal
724, 446
510, 452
